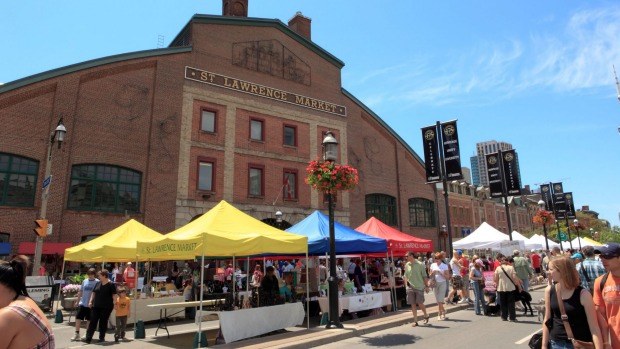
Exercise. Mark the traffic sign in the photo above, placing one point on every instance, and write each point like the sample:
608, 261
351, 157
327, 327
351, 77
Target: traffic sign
47, 181
562, 236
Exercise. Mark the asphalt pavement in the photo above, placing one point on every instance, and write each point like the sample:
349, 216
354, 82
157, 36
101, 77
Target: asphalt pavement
183, 332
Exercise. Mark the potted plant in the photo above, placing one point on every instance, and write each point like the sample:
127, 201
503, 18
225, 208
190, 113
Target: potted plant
69, 291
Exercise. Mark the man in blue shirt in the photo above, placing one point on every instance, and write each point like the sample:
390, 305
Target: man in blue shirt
589, 269
83, 313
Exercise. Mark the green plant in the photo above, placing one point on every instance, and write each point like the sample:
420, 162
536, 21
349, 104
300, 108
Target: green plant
77, 279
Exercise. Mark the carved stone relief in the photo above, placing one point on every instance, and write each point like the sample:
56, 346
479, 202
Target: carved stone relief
271, 57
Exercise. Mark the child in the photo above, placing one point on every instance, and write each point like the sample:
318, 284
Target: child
122, 307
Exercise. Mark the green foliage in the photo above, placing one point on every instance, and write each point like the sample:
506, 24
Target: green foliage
77, 279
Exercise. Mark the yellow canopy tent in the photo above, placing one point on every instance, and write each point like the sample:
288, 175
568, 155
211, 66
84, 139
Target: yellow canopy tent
592, 242
117, 245
223, 231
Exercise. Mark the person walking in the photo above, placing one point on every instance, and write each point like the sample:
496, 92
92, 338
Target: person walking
22, 323
456, 280
568, 304
506, 282
123, 308
476, 279
102, 301
523, 269
606, 295
589, 269
83, 312
441, 275
416, 283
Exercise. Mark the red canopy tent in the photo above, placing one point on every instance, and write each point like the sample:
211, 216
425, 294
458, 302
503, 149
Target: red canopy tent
397, 242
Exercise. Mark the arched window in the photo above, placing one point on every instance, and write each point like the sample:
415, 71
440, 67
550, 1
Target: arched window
18, 180
421, 212
382, 207
104, 188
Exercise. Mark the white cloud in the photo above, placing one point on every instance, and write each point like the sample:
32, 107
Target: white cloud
575, 59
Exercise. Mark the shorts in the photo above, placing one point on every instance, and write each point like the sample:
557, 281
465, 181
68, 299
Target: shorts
456, 281
415, 296
83, 313
465, 280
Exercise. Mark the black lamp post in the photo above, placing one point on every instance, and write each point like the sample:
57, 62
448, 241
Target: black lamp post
541, 206
576, 224
278, 219
443, 234
330, 153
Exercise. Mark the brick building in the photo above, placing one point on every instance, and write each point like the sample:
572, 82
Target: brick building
232, 110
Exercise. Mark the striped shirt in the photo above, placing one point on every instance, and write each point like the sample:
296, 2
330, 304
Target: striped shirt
31, 315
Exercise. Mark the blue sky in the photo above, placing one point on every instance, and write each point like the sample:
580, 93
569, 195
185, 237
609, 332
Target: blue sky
537, 74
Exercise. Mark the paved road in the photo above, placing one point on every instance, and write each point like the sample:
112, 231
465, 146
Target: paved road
463, 329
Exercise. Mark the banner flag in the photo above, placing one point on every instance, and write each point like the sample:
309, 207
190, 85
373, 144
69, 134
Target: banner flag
451, 153
431, 154
570, 206
511, 175
558, 201
495, 178
547, 196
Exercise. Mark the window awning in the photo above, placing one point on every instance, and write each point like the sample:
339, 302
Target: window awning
5, 248
28, 248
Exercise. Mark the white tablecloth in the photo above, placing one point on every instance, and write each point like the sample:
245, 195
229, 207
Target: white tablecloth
358, 302
245, 323
143, 312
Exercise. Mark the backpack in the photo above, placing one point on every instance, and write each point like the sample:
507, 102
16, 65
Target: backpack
604, 280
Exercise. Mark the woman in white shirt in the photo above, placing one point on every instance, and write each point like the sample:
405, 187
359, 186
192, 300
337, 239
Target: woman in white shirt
440, 274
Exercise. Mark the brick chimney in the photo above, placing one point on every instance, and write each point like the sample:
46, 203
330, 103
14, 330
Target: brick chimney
301, 25
235, 8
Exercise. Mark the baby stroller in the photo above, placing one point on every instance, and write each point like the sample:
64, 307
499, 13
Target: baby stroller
490, 292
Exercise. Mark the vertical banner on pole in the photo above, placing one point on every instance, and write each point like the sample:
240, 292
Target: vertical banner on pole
451, 152
547, 196
495, 178
558, 201
570, 206
511, 175
431, 154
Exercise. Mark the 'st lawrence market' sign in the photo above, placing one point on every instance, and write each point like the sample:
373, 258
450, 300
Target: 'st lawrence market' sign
263, 91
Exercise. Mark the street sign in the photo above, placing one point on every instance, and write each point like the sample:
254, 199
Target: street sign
562, 236
47, 181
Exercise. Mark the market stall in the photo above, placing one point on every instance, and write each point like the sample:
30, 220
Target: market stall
119, 245
398, 243
223, 231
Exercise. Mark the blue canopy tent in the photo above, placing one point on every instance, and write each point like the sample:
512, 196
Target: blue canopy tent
348, 241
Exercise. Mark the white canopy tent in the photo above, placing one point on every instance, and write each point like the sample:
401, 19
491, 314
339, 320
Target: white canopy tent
484, 237
528, 243
541, 239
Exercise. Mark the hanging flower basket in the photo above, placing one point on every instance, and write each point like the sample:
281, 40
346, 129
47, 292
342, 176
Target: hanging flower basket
328, 177
543, 217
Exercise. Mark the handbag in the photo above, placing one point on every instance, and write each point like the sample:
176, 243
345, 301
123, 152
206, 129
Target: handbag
536, 341
569, 331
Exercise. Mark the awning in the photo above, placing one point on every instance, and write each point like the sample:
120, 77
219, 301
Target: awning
5, 248
28, 248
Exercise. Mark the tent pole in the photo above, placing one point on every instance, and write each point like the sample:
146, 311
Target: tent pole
308, 293
393, 281
233, 280
62, 277
135, 280
247, 276
202, 291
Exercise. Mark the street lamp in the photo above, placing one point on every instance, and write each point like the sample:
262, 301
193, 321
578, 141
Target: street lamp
279, 219
330, 153
57, 136
576, 224
592, 233
443, 234
541, 206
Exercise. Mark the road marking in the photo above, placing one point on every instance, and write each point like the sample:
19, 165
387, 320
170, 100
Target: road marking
526, 338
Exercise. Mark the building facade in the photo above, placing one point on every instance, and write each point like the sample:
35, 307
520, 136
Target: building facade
232, 110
